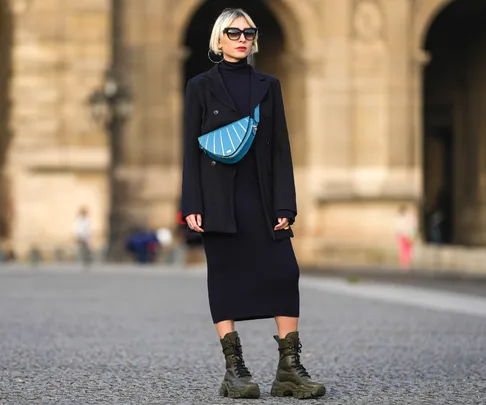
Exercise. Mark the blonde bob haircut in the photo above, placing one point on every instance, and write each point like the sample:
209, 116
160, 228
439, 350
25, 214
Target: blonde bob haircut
223, 21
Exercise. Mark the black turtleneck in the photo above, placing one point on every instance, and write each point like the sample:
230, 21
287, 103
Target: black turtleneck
236, 77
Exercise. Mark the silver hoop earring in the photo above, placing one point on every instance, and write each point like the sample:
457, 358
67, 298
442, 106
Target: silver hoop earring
209, 57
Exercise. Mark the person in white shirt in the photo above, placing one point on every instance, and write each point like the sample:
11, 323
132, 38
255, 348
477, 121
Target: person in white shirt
82, 232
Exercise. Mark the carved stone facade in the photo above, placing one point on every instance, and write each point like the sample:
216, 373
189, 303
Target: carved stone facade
352, 73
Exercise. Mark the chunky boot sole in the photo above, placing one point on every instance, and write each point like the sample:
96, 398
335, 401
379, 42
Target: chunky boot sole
250, 391
289, 389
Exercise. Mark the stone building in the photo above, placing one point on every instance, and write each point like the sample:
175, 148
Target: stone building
385, 102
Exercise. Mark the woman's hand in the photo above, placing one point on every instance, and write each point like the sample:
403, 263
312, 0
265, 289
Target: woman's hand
194, 221
283, 223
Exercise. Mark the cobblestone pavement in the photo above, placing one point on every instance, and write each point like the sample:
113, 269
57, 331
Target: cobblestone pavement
144, 336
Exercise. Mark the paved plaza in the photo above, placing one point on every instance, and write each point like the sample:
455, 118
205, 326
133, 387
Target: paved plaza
132, 335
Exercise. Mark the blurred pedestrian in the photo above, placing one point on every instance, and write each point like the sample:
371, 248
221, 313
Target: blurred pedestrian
405, 230
82, 232
143, 245
243, 208
436, 221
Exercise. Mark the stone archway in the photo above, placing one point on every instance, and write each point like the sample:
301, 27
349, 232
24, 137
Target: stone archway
427, 12
454, 130
294, 19
5, 133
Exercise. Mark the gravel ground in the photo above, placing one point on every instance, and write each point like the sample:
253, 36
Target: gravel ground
145, 337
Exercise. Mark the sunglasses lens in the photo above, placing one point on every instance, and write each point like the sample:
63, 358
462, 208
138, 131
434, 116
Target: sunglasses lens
250, 34
233, 34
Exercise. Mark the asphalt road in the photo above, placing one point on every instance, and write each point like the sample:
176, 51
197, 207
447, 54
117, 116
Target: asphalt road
144, 336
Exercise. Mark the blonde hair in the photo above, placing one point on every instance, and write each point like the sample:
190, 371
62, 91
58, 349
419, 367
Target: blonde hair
223, 21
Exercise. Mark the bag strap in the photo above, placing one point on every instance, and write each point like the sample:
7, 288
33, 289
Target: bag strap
256, 114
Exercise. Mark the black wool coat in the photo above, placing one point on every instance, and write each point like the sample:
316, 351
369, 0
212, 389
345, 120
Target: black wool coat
208, 185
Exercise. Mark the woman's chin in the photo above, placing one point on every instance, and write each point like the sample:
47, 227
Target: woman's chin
239, 55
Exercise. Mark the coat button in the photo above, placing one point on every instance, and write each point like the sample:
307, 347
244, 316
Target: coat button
215, 112
213, 163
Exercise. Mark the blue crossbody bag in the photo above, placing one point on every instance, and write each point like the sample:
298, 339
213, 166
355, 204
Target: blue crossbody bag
230, 143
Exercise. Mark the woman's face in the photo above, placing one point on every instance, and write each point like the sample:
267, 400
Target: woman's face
233, 51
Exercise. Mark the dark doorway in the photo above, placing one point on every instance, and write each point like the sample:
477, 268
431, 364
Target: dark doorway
271, 40
455, 41
439, 182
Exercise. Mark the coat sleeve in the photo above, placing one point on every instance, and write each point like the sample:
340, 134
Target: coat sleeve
191, 199
290, 215
283, 174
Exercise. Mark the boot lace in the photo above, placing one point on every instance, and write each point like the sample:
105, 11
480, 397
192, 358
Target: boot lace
240, 367
297, 364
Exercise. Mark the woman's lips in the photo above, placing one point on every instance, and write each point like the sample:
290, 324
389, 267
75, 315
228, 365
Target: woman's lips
241, 48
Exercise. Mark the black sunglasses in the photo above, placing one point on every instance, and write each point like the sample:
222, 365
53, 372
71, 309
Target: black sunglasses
234, 34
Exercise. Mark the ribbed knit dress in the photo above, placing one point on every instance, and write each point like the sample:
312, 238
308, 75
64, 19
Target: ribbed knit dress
250, 275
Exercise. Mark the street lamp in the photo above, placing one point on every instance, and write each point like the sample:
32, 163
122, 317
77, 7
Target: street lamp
111, 103
111, 106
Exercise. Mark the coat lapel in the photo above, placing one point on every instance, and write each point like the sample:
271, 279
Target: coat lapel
259, 87
258, 84
219, 89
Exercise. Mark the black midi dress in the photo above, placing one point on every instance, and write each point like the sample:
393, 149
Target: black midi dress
250, 275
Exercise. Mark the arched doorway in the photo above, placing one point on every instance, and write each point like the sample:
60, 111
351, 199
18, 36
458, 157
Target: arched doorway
5, 134
275, 56
454, 125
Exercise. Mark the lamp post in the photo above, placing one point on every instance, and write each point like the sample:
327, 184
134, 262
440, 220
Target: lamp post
111, 106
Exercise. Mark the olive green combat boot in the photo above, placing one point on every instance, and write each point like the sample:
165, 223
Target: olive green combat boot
237, 381
292, 378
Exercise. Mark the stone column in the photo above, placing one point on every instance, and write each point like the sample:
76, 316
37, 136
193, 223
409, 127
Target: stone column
326, 62
293, 80
329, 101
370, 73
403, 173
309, 145
154, 62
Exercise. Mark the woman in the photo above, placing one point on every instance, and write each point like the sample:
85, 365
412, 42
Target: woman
405, 229
244, 210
